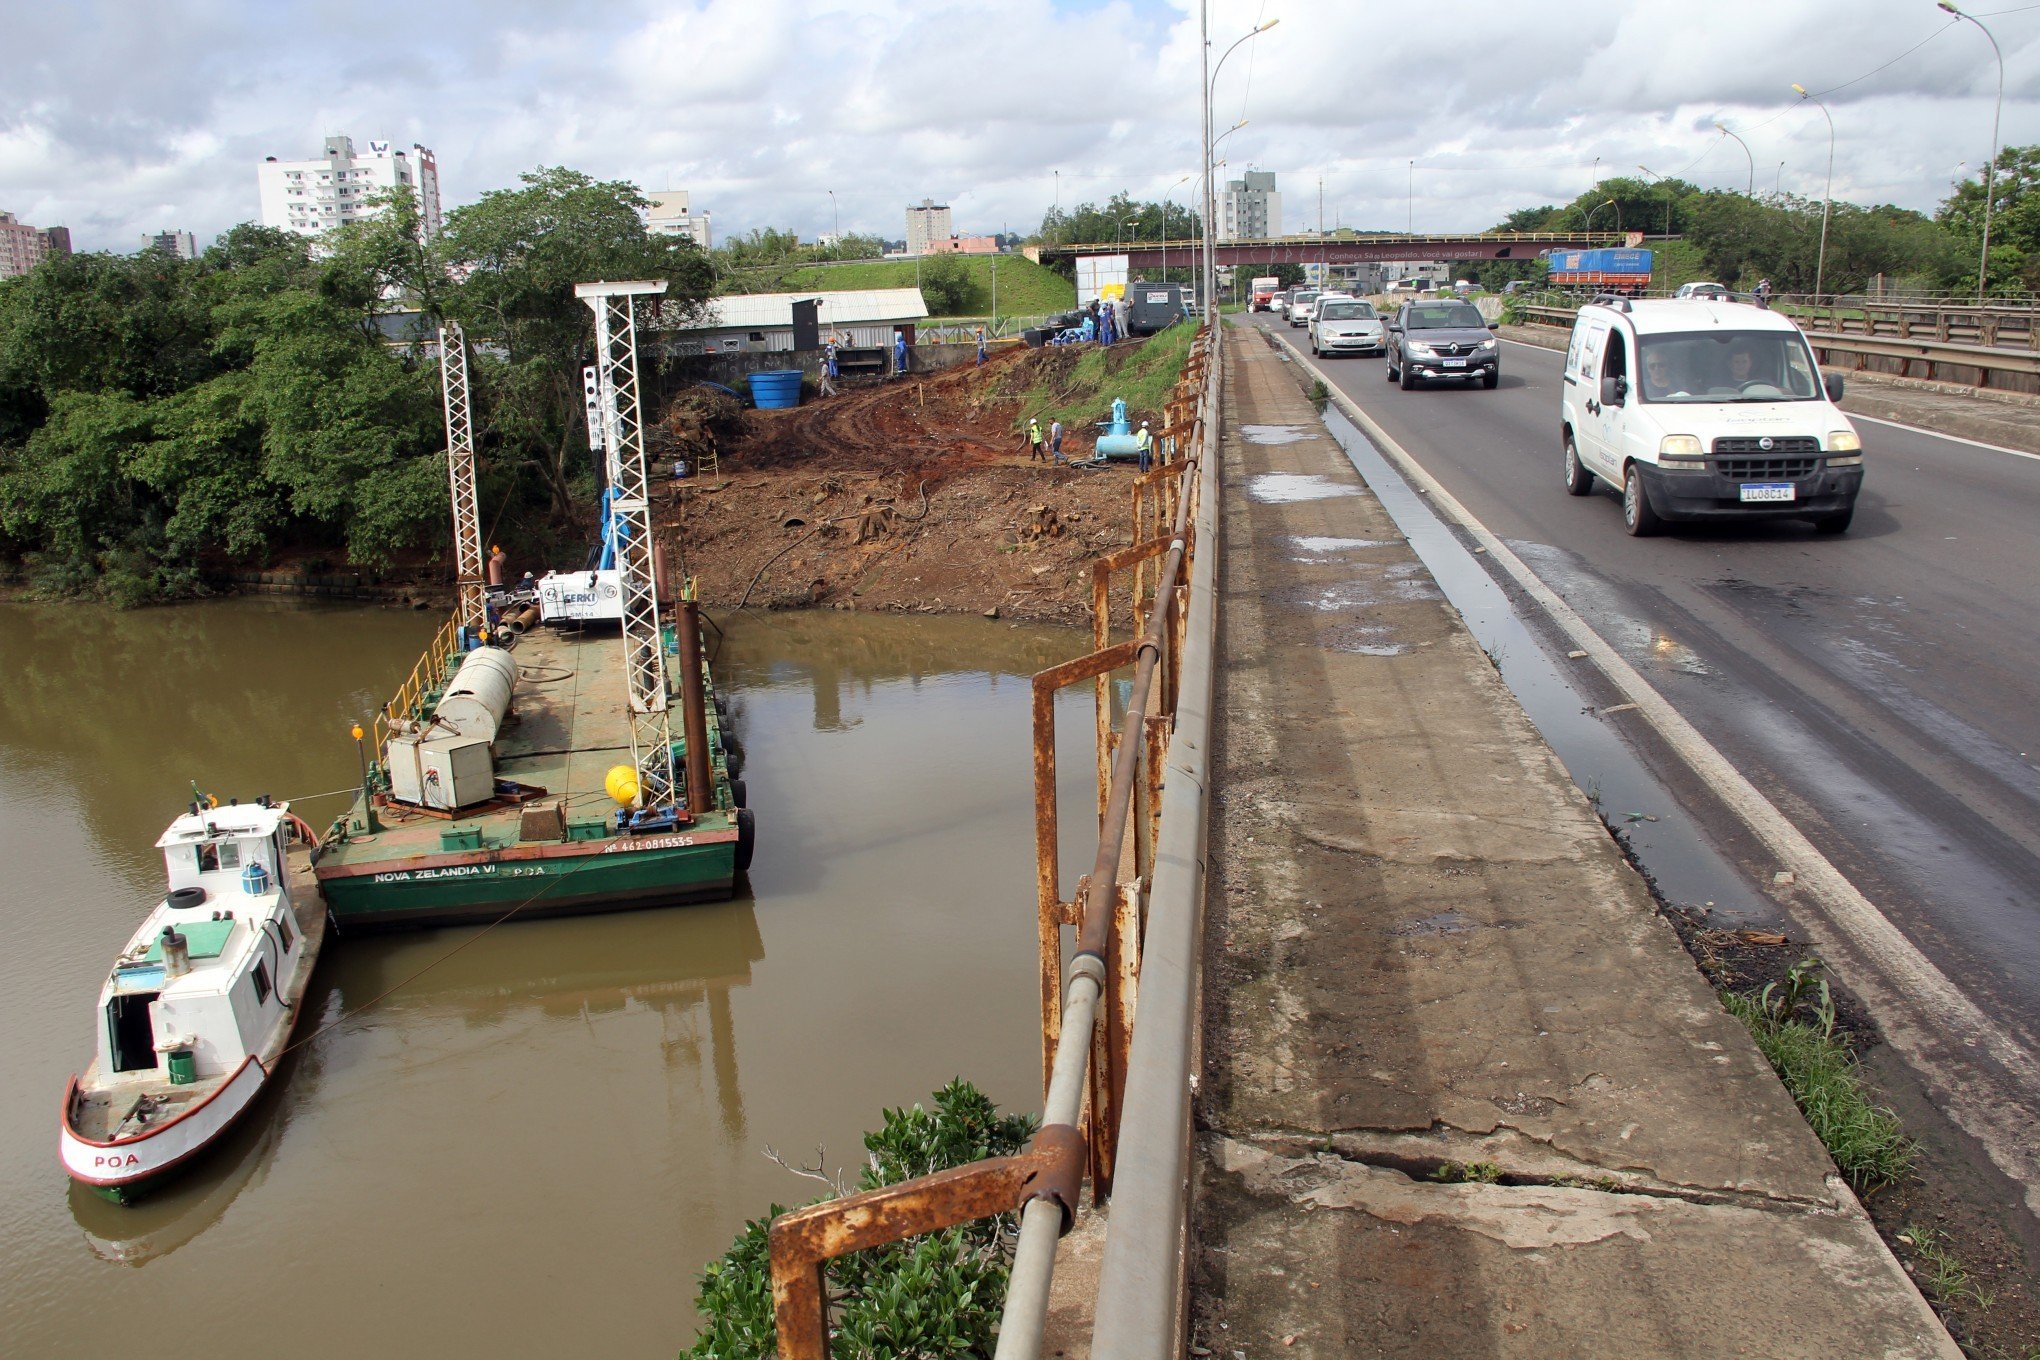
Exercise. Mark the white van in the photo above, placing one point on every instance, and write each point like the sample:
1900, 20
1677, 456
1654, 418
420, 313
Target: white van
1705, 410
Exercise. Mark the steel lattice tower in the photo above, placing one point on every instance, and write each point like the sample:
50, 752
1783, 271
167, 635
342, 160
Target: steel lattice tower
460, 470
644, 652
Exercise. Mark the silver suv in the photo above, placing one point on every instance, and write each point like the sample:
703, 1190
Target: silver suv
1447, 338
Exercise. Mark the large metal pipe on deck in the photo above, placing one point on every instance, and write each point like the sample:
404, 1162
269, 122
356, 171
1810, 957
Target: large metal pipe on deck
693, 708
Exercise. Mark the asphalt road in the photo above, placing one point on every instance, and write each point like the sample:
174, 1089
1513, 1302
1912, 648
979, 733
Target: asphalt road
1883, 687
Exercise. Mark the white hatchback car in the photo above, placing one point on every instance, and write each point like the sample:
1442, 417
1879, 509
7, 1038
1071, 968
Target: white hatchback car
1301, 304
1345, 325
1700, 409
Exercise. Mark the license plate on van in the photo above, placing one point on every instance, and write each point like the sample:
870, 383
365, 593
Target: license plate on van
1768, 491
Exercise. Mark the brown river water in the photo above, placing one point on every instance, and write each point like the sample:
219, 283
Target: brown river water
532, 1147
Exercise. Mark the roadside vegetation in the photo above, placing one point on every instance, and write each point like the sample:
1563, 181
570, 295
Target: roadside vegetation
935, 1295
1080, 392
955, 286
1793, 1022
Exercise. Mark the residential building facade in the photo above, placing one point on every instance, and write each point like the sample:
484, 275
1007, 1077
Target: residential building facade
927, 221
1250, 209
963, 245
180, 244
311, 197
22, 247
56, 241
670, 215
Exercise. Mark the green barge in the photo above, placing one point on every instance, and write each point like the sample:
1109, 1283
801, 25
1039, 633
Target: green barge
520, 816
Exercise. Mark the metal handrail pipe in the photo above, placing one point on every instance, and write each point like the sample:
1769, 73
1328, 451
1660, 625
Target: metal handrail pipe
1041, 1221
1139, 1313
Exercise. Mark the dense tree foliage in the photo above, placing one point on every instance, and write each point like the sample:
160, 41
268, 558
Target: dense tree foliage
157, 414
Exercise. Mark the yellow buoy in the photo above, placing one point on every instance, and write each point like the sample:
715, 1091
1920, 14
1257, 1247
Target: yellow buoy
621, 784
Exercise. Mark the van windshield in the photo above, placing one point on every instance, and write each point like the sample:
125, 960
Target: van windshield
1728, 366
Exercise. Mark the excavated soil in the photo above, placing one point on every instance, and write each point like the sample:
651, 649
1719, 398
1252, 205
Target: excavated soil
913, 494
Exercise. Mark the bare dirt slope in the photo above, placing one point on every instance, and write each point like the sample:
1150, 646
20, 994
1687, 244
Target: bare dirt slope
911, 494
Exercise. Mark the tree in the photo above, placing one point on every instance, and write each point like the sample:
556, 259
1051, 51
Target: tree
947, 287
515, 257
2014, 223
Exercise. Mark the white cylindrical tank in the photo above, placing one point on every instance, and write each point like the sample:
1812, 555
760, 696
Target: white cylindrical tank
479, 694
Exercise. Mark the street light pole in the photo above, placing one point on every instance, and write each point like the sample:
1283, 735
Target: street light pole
1990, 169
838, 218
1827, 203
1210, 195
1722, 128
1668, 194
1410, 204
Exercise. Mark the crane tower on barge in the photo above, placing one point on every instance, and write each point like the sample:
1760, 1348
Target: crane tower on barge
651, 732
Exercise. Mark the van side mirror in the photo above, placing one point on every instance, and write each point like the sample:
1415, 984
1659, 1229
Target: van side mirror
1833, 383
1614, 390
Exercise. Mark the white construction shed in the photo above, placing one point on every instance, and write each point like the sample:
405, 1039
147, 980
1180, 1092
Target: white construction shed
741, 323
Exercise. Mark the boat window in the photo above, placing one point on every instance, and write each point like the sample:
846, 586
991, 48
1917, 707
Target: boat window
208, 857
261, 982
283, 932
230, 855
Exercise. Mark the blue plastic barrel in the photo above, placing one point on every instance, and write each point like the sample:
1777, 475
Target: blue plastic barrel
776, 390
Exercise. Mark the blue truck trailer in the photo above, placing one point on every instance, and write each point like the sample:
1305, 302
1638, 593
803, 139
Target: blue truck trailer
1602, 271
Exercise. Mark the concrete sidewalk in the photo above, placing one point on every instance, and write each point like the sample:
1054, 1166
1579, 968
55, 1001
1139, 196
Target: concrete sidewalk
1424, 948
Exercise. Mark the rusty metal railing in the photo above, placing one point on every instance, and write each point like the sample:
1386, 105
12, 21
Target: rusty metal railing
1088, 1001
427, 673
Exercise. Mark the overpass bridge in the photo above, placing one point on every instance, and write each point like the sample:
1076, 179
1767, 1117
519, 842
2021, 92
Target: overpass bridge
1368, 249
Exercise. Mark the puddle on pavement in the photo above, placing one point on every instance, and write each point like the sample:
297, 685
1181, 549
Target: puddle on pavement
1671, 848
1319, 546
1272, 434
1284, 488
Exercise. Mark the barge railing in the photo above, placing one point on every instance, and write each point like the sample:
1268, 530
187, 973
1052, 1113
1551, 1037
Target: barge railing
1146, 884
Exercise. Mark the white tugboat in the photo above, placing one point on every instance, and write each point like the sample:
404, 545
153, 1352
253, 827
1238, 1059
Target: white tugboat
201, 1003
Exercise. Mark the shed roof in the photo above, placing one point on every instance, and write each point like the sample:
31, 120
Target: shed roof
853, 307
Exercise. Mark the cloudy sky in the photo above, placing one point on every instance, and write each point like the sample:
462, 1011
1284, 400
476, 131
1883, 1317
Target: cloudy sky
119, 118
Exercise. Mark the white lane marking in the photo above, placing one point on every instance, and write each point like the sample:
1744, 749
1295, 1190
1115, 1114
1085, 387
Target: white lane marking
1934, 1023
1951, 438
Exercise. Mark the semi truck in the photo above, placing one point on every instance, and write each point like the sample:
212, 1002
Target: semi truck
1261, 295
1602, 271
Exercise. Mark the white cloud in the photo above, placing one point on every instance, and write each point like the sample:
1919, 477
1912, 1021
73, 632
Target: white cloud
118, 119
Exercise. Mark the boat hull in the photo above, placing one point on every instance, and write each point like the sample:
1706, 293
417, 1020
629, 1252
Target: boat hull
610, 875
124, 1169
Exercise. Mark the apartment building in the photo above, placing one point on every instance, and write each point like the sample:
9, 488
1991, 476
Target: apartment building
311, 197
1250, 209
670, 215
927, 221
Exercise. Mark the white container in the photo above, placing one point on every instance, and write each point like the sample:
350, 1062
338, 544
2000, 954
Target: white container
479, 694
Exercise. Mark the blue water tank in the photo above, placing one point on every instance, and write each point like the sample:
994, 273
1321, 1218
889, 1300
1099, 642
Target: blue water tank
776, 390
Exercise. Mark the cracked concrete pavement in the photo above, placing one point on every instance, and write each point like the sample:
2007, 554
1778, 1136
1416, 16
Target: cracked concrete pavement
1423, 947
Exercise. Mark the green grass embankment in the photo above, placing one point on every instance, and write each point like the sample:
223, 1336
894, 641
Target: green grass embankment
1080, 393
1025, 288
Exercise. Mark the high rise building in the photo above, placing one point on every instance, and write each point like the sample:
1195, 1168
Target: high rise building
22, 247
1250, 209
180, 244
669, 215
927, 221
56, 240
312, 197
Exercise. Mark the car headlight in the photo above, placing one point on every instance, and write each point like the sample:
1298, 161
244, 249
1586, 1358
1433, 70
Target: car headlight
1848, 445
1490, 344
1680, 448
1421, 350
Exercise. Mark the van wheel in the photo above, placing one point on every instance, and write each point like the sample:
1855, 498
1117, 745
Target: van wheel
1578, 481
1837, 523
1637, 516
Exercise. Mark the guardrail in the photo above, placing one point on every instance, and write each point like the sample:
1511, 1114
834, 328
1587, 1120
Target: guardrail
1146, 882
1985, 367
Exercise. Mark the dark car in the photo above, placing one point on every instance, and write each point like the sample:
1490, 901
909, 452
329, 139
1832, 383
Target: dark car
1442, 338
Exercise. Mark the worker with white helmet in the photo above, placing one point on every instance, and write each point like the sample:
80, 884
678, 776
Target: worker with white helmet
1147, 446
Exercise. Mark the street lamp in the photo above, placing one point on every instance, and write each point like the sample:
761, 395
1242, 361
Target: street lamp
1597, 172
837, 242
1990, 169
1410, 204
1668, 194
1828, 202
1605, 203
1210, 198
1722, 128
